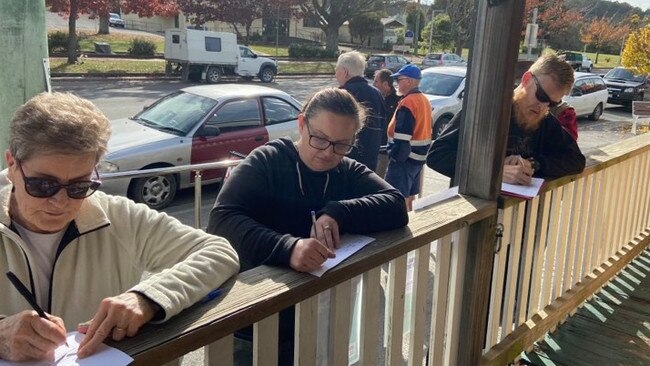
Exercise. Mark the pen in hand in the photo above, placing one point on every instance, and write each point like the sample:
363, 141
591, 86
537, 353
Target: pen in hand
27, 295
313, 221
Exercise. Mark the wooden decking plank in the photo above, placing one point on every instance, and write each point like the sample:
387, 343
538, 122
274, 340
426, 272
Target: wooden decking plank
610, 329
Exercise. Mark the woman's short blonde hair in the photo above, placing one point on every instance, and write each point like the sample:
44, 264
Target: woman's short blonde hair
58, 123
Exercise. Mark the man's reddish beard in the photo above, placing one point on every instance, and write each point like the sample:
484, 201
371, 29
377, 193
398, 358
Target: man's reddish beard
523, 119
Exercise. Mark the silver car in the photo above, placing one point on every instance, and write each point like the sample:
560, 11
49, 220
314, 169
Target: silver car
199, 124
443, 59
445, 87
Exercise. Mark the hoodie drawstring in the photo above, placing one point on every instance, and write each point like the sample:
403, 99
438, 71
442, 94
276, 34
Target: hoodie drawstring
302, 190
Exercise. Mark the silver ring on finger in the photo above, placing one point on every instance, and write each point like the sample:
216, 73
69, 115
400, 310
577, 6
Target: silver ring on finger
326, 227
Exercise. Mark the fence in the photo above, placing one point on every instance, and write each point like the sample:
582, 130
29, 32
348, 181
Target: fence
554, 251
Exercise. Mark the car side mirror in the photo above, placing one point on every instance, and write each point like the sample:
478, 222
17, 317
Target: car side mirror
255, 55
575, 92
207, 131
146, 107
602, 75
461, 94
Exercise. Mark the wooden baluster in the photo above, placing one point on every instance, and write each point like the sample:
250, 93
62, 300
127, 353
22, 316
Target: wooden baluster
220, 352
370, 313
439, 303
265, 349
339, 329
306, 332
418, 305
395, 310
513, 270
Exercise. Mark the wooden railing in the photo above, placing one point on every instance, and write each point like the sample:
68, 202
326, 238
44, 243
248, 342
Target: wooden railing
555, 251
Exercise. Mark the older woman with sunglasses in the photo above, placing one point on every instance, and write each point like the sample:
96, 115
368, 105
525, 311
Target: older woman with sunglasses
537, 144
288, 203
81, 253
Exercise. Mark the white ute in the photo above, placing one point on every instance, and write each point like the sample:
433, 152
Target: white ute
209, 55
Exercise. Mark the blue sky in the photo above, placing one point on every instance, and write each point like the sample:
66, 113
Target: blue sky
643, 4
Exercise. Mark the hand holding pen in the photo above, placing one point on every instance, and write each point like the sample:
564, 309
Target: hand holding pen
325, 229
29, 334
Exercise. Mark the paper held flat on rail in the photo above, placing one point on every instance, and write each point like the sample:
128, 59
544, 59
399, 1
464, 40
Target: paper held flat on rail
350, 244
526, 192
67, 356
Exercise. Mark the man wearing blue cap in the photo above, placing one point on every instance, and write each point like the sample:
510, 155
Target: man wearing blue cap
409, 134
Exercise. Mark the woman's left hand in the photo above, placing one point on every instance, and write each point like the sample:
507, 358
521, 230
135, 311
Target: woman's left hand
326, 230
120, 316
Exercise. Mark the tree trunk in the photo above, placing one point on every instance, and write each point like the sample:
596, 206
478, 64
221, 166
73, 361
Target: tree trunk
332, 34
103, 25
72, 32
597, 53
458, 46
248, 34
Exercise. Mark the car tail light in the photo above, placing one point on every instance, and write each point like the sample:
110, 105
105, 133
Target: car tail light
382, 65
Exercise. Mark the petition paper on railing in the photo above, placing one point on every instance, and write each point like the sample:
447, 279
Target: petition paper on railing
66, 355
350, 244
520, 191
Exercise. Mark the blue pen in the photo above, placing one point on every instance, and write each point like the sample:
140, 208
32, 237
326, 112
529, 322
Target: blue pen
212, 295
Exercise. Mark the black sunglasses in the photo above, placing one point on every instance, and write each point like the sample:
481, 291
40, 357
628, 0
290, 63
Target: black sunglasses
541, 95
46, 187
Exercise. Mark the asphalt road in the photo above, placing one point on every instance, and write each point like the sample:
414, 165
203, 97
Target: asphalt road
119, 98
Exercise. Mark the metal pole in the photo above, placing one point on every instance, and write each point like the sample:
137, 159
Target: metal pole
197, 199
530, 49
416, 37
433, 15
277, 31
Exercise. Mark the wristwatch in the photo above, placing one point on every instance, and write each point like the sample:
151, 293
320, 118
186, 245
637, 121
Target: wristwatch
534, 164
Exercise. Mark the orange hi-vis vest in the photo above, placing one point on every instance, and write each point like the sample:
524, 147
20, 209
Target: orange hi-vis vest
416, 130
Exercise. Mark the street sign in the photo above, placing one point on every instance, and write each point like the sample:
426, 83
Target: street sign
408, 37
531, 35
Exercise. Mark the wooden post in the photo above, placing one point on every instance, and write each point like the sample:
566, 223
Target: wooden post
481, 150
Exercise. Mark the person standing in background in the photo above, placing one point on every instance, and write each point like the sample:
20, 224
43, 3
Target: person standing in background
384, 83
349, 75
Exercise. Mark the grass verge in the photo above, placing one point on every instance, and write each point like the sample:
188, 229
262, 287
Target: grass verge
156, 66
119, 42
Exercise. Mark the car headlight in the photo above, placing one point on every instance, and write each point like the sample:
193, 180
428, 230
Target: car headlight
106, 166
628, 90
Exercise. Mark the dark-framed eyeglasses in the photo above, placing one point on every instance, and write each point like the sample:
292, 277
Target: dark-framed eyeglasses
541, 95
46, 187
321, 143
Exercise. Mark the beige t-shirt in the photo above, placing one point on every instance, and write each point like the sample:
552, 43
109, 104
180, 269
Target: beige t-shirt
43, 250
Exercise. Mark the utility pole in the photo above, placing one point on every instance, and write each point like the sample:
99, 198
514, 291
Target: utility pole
433, 15
24, 56
530, 36
417, 30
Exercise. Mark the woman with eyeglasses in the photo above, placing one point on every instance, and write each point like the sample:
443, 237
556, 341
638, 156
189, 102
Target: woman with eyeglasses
265, 207
79, 253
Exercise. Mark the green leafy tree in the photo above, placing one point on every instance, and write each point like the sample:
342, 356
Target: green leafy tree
636, 54
365, 26
442, 38
413, 11
331, 15
461, 13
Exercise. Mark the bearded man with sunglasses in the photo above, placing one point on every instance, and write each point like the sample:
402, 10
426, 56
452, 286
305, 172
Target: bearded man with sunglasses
538, 146
81, 253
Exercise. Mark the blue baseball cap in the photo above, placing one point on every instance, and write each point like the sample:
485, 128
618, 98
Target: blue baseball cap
410, 71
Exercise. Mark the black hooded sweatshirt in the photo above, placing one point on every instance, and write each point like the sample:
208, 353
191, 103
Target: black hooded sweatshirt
265, 206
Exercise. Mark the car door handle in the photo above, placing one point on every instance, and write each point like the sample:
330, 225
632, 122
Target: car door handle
259, 138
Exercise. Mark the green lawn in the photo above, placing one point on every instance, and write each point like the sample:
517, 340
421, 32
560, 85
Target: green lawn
107, 65
120, 43
270, 50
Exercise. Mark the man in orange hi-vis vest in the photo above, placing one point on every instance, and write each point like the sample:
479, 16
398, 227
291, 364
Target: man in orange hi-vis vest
409, 134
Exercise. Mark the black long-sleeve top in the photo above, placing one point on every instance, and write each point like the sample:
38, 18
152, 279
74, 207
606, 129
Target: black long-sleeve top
550, 145
265, 206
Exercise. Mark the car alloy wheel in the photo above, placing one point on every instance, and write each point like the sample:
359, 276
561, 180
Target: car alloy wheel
266, 75
156, 192
213, 75
598, 111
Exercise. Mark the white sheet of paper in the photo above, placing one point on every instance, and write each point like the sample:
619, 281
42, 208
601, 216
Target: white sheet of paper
527, 192
350, 244
424, 202
67, 356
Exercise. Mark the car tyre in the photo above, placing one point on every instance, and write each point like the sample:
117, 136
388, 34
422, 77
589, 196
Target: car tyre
267, 75
440, 126
213, 75
598, 111
156, 192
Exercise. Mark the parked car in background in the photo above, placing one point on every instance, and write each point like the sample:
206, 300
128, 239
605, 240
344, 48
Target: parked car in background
587, 64
115, 20
194, 125
572, 58
624, 86
384, 61
588, 95
445, 87
442, 59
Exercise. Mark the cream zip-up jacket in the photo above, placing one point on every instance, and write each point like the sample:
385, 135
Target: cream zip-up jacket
105, 251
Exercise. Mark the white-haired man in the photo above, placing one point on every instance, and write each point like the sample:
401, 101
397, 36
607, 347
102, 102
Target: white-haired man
348, 73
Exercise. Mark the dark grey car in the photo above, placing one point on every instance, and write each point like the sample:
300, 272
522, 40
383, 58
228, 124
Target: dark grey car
384, 61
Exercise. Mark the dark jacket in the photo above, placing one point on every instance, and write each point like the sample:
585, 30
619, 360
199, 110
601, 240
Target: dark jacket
369, 138
264, 207
390, 102
550, 145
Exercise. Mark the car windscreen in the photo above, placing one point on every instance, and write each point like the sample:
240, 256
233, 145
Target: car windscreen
434, 56
176, 113
624, 74
376, 59
439, 84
